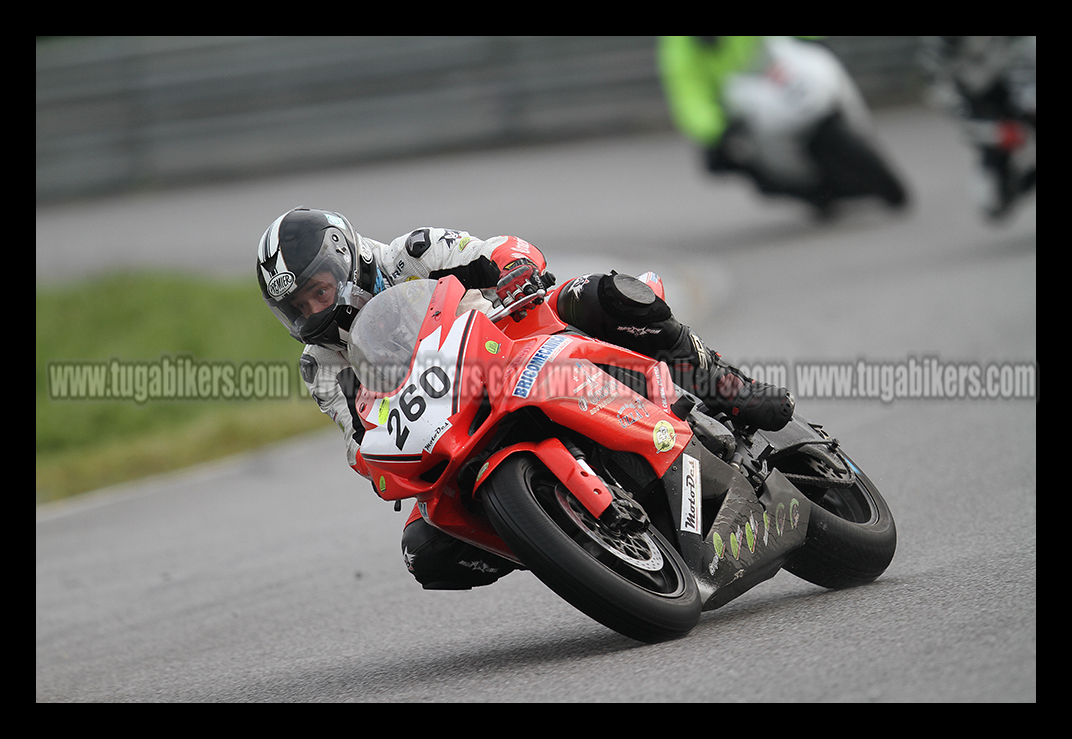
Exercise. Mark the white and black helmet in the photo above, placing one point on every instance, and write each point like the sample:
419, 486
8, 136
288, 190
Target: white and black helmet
315, 272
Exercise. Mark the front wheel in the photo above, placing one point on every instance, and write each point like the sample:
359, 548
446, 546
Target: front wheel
635, 583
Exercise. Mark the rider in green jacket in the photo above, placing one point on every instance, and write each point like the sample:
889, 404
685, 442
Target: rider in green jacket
694, 69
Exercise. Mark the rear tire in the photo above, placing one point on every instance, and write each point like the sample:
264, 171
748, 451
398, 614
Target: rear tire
852, 166
635, 584
851, 535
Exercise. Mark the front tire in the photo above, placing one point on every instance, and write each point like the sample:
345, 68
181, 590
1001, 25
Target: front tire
636, 584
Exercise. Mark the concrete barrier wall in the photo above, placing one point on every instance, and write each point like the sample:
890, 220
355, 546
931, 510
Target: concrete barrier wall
118, 113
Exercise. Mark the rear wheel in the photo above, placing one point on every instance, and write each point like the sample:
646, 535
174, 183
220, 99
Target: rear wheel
852, 166
851, 535
633, 582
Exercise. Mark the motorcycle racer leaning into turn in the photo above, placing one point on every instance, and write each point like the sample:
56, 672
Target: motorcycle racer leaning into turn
316, 272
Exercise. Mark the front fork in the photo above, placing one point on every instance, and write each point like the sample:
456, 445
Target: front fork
567, 463
573, 472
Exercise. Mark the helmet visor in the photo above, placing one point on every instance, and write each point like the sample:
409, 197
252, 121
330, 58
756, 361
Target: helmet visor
310, 302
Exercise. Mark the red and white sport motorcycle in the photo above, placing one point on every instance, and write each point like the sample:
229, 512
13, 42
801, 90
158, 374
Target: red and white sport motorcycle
582, 462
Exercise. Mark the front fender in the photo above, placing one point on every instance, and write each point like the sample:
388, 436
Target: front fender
578, 477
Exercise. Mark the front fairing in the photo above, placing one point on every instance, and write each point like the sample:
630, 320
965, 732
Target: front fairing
427, 426
408, 348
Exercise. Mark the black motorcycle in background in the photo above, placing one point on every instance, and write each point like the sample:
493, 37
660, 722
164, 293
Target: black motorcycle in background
988, 83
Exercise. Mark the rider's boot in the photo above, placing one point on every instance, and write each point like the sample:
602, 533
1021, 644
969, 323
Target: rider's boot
627, 312
726, 389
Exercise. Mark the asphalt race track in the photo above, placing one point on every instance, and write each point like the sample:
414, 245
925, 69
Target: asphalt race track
277, 576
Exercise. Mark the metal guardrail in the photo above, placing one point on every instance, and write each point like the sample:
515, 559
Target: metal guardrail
117, 113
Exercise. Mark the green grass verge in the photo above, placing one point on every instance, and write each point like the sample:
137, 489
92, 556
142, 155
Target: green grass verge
167, 344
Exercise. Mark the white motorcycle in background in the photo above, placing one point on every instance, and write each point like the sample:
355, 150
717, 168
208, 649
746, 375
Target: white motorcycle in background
800, 127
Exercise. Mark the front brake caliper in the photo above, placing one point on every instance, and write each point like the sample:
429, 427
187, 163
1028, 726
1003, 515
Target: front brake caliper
624, 515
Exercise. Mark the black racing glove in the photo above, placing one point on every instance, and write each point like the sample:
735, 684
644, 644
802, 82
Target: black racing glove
478, 274
522, 279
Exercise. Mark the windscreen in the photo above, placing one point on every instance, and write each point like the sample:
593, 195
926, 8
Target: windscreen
383, 337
